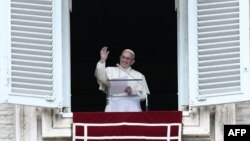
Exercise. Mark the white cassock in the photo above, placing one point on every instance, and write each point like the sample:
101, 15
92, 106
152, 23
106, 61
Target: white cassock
123, 103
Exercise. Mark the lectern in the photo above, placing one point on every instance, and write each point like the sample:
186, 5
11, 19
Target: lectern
120, 101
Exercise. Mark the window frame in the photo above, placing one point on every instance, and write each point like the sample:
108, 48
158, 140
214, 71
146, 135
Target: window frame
195, 121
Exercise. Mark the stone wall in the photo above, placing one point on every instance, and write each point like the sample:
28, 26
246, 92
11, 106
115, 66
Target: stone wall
7, 122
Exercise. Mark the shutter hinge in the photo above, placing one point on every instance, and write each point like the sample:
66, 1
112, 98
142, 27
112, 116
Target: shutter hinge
50, 98
201, 98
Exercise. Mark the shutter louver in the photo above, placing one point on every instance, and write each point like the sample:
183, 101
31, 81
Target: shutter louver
218, 42
218, 46
32, 48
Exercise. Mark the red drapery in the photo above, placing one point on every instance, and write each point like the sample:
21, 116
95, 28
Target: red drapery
130, 117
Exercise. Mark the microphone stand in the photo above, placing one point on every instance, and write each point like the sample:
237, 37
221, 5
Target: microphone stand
146, 100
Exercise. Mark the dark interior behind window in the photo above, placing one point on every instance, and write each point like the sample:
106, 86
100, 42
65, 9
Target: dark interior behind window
148, 27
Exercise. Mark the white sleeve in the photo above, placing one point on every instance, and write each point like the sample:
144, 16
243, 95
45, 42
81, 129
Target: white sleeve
145, 85
101, 75
140, 94
143, 90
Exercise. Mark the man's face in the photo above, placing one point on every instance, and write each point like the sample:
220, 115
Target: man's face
126, 59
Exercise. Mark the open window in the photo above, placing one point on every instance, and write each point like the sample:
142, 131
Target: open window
34, 53
146, 27
213, 61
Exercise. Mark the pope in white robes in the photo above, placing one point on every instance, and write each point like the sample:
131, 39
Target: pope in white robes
136, 90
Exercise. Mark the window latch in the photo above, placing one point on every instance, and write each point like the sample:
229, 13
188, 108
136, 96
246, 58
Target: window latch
50, 98
201, 98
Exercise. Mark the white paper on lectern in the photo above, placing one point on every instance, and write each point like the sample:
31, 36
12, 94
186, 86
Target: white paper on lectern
118, 86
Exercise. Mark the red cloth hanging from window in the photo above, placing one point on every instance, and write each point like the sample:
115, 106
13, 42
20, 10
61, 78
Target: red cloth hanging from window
131, 117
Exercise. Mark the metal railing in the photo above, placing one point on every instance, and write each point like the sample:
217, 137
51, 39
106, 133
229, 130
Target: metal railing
168, 137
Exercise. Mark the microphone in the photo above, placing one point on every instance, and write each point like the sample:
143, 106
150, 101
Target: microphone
120, 67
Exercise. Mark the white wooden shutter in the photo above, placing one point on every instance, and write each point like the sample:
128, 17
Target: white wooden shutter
32, 52
218, 51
